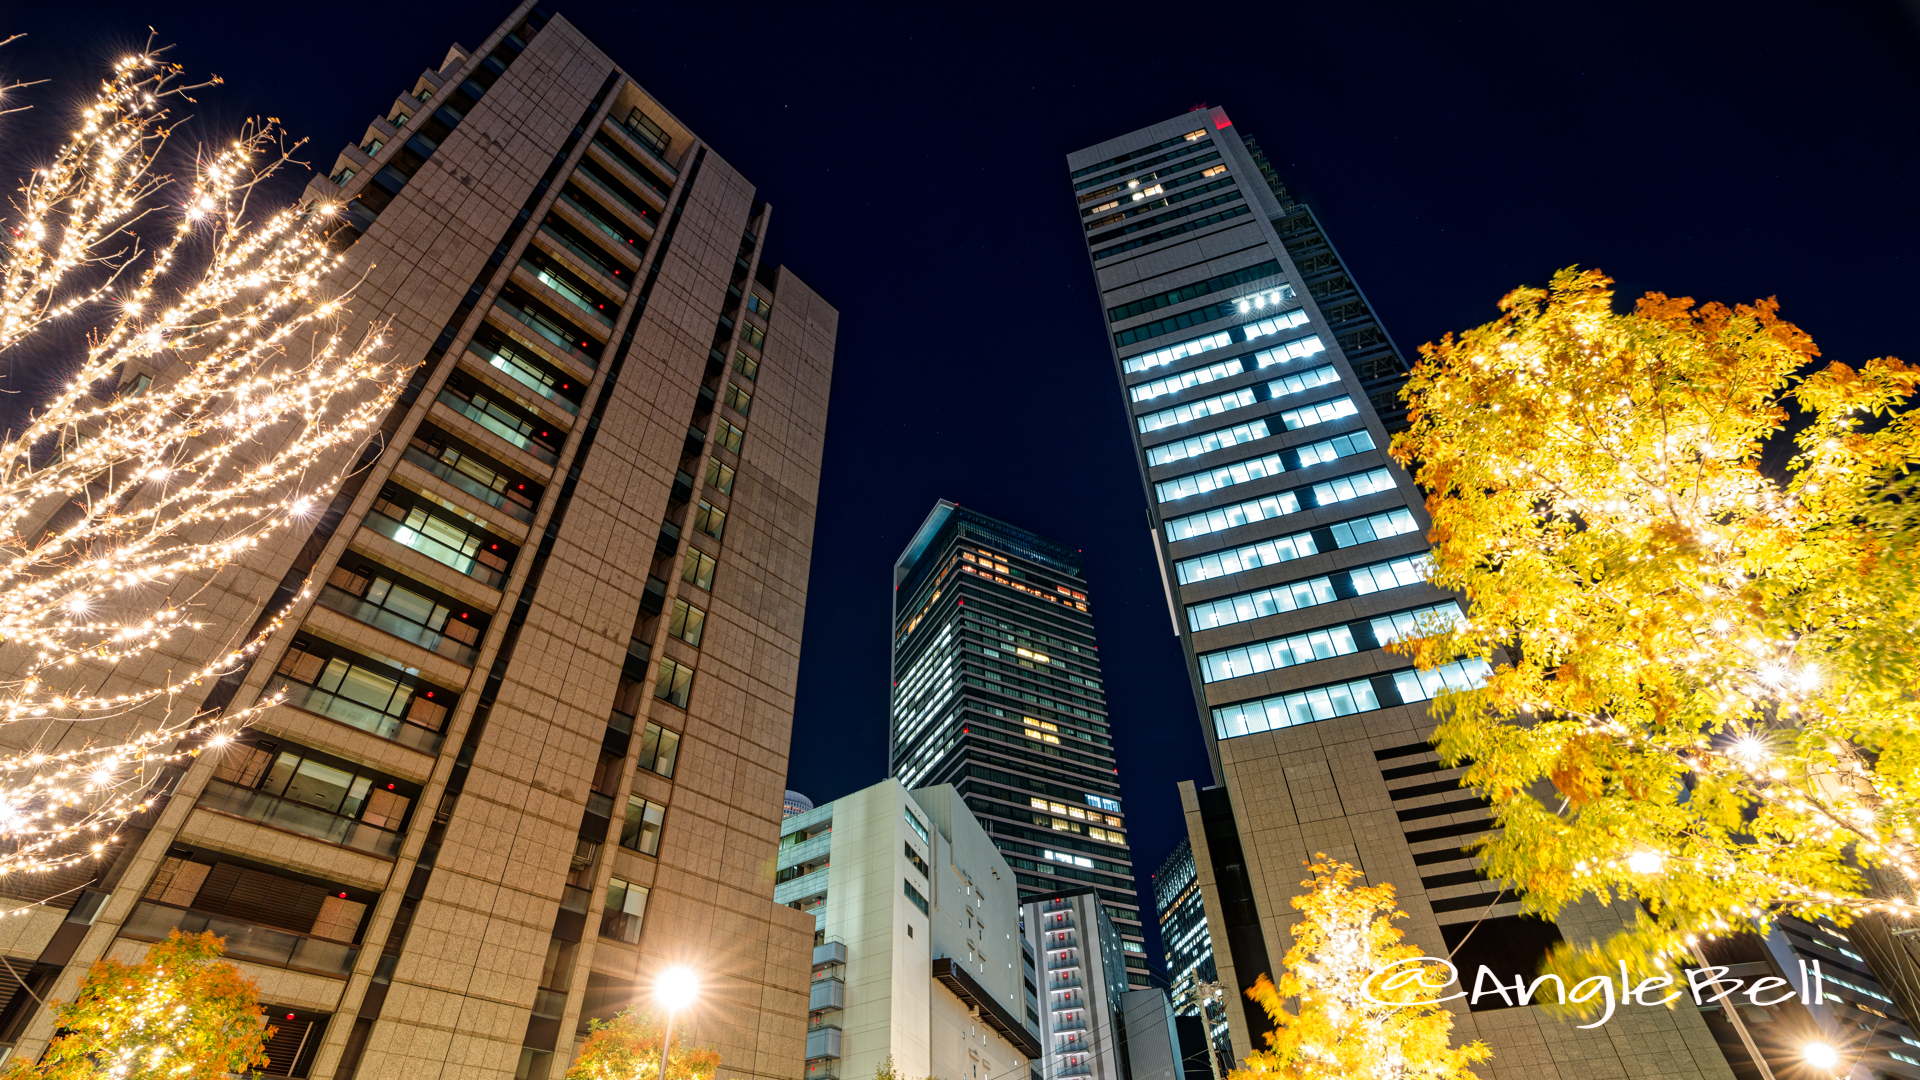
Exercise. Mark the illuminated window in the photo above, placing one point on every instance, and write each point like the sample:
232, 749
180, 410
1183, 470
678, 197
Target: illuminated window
1207, 442
1163, 357
1300, 707
729, 436
1352, 487
674, 684
1335, 448
1258, 604
1192, 135
744, 364
1377, 527
1420, 622
1425, 685
1392, 574
698, 569
1290, 651
1196, 410
719, 476
1173, 384
1215, 171
1240, 472
1223, 518
1292, 350
760, 305
686, 623
641, 830
1261, 301
1320, 413
626, 909
737, 399
1302, 381
710, 520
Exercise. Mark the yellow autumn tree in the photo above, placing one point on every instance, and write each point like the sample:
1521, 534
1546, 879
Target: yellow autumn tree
1346, 1020
627, 1047
1703, 663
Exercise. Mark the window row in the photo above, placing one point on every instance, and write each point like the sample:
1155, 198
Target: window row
1191, 138
1133, 211
1162, 357
1196, 410
1302, 381
1240, 472
1286, 320
1317, 413
1293, 595
1222, 518
1281, 549
1343, 699
1207, 442
1192, 292
1173, 384
1311, 345
1261, 301
1341, 489
1294, 649
1176, 230
367, 694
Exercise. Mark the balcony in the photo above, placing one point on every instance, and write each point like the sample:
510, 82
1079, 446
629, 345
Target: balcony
814, 847
353, 714
536, 381
645, 151
551, 335
468, 562
566, 291
827, 994
280, 813
788, 891
1064, 965
245, 940
833, 952
823, 1042
1071, 983
521, 511
405, 629
507, 429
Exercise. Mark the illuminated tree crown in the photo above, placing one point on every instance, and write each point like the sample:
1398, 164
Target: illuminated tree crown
1704, 669
1347, 1023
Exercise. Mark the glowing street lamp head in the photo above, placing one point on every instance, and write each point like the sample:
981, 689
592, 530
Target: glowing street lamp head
676, 988
1645, 862
1820, 1055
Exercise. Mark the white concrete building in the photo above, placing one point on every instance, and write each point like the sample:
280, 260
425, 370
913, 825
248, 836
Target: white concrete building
917, 948
1080, 958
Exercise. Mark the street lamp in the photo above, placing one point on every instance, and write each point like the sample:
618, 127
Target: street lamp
1820, 1055
675, 989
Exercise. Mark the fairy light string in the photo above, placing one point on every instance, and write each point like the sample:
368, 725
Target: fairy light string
119, 514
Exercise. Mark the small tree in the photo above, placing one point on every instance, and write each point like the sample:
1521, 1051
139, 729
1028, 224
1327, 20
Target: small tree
179, 1014
1703, 697
1349, 1023
117, 510
627, 1047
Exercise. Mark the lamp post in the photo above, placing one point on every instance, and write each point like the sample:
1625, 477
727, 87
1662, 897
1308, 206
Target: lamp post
675, 989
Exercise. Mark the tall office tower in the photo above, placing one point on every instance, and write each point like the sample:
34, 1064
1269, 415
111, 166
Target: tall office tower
997, 691
537, 711
1291, 550
1183, 932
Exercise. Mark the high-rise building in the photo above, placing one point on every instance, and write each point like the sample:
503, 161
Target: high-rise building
1255, 375
997, 691
918, 950
1082, 995
1183, 933
538, 707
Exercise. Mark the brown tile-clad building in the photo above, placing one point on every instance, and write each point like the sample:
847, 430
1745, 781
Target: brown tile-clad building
537, 713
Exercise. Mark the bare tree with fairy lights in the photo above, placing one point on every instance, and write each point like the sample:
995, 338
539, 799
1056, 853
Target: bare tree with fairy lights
208, 408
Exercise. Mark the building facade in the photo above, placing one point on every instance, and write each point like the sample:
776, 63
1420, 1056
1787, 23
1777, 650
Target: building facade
917, 954
1183, 932
1079, 954
1254, 375
997, 691
539, 697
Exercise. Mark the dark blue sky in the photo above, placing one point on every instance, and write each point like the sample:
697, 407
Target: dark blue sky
914, 157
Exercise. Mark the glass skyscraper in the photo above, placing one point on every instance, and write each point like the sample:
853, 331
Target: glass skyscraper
1183, 933
997, 691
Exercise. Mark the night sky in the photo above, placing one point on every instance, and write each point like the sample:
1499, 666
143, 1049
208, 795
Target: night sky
914, 159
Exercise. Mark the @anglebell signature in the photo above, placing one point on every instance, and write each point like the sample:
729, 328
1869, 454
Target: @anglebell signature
1412, 976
